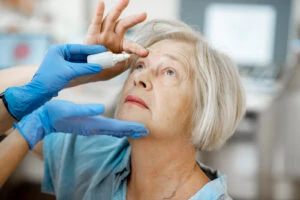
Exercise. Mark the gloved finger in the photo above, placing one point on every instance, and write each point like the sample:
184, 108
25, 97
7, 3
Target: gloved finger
72, 50
59, 109
98, 125
81, 69
81, 110
120, 126
117, 128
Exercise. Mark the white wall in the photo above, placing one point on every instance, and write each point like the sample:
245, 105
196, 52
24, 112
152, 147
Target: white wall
71, 17
67, 20
154, 8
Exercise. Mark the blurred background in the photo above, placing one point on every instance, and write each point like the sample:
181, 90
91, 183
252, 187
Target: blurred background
262, 159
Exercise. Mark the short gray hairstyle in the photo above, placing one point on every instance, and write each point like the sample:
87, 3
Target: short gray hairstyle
219, 95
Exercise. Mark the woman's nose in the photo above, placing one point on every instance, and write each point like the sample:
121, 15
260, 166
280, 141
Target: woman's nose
142, 80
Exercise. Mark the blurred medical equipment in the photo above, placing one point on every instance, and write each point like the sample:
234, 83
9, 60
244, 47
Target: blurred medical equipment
257, 35
21, 49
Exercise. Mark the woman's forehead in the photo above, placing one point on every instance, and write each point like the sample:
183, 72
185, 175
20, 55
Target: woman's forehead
172, 50
171, 46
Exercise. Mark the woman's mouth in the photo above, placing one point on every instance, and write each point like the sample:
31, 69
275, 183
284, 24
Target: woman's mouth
136, 101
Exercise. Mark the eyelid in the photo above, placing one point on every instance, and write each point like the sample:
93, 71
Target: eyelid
139, 64
165, 69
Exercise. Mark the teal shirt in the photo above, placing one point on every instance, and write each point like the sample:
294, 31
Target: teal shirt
97, 167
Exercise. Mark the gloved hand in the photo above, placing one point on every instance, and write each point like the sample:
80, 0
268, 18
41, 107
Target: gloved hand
67, 117
61, 64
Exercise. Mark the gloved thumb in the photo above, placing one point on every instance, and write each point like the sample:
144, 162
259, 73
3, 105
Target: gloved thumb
81, 110
81, 49
81, 69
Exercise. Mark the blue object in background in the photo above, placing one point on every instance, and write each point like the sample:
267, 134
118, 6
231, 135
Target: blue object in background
22, 49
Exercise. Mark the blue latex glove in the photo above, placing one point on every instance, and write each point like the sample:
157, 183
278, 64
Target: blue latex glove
61, 64
67, 117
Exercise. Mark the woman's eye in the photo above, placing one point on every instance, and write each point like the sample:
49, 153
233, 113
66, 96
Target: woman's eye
139, 67
170, 72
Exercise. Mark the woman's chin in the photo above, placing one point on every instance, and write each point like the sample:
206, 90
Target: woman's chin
131, 118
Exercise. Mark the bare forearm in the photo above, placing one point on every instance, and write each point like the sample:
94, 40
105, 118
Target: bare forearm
12, 150
16, 76
6, 120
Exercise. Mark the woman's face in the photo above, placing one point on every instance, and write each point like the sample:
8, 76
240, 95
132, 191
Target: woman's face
159, 91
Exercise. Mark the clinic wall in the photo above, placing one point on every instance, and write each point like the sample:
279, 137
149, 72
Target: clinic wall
67, 18
71, 27
154, 8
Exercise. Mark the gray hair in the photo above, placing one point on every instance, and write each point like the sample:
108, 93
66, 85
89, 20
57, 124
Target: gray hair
219, 95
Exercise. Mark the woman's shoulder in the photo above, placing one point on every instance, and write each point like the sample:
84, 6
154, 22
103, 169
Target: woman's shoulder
84, 159
100, 149
85, 143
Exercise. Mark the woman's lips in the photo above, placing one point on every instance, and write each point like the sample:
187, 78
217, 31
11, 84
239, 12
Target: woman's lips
136, 101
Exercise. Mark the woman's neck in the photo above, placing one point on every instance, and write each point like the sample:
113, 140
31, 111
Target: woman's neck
163, 170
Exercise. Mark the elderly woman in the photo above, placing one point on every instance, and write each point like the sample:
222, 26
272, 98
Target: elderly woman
189, 97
